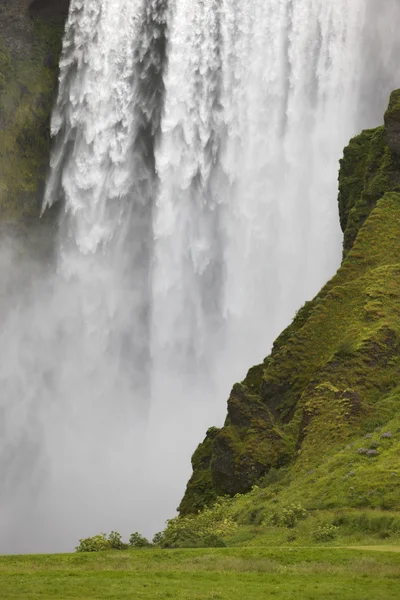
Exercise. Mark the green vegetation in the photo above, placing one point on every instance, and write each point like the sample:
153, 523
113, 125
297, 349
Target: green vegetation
266, 517
368, 170
327, 385
317, 424
29, 51
102, 542
307, 462
223, 574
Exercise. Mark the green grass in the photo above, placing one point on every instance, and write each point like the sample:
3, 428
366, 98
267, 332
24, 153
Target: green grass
224, 574
331, 380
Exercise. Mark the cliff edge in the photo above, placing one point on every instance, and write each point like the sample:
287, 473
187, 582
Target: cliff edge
330, 389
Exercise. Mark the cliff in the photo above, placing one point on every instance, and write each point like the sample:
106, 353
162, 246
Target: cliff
327, 400
30, 44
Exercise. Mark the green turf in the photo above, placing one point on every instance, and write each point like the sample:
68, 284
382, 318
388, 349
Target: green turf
226, 574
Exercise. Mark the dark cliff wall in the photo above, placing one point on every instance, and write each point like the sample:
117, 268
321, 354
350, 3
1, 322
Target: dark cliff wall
30, 45
335, 372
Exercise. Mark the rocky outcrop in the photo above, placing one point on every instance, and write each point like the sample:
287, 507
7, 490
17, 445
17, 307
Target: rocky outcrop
392, 123
30, 44
331, 372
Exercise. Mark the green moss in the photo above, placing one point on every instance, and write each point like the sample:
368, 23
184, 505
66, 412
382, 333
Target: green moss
333, 374
200, 491
368, 170
393, 111
27, 90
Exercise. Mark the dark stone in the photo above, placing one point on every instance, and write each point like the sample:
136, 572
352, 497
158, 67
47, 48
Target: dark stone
49, 61
49, 9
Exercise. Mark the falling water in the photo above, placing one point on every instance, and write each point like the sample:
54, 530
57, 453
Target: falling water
195, 161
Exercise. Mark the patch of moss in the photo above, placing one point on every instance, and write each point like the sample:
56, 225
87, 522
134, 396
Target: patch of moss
393, 111
27, 89
368, 170
200, 491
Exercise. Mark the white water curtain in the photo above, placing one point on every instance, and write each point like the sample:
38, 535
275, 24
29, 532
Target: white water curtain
183, 249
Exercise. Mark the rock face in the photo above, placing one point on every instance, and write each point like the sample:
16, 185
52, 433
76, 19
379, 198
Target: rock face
30, 44
392, 123
49, 9
333, 372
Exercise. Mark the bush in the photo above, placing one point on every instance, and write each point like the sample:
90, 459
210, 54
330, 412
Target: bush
101, 543
325, 533
97, 543
290, 516
115, 542
138, 541
158, 539
205, 530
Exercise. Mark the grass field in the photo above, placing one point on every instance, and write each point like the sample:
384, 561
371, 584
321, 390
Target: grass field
225, 574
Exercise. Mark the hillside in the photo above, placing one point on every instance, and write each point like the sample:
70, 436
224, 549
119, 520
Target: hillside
318, 422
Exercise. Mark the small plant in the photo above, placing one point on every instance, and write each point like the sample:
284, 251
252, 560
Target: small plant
290, 516
138, 541
325, 533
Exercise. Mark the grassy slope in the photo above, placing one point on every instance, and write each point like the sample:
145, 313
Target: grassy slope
331, 386
225, 574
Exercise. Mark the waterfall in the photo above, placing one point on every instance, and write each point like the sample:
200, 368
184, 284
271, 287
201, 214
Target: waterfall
195, 158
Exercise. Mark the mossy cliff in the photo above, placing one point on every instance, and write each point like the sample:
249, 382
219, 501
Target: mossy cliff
30, 44
333, 376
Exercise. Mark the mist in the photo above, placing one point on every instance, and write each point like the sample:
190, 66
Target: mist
193, 179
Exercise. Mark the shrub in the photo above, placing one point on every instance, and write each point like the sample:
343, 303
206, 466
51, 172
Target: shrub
325, 533
290, 516
97, 543
115, 541
204, 530
100, 543
138, 541
158, 539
